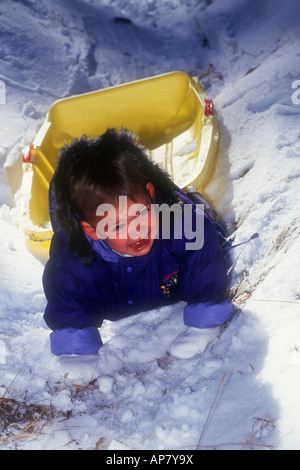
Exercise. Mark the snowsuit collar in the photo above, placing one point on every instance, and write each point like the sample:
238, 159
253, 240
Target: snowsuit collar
105, 251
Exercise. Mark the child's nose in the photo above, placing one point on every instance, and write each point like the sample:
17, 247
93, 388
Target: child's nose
139, 228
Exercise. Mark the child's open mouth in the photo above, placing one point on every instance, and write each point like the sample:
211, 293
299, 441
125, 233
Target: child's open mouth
141, 244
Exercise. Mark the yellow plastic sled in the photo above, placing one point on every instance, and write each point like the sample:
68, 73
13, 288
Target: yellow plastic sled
171, 115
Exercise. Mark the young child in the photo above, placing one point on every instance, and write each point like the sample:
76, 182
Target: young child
109, 256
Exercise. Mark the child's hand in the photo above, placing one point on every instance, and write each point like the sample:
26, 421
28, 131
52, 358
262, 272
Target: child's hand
75, 341
205, 315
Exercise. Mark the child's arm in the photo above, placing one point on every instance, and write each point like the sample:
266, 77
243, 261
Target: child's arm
73, 311
203, 283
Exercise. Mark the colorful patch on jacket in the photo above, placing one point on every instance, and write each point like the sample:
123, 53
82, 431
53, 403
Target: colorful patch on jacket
169, 281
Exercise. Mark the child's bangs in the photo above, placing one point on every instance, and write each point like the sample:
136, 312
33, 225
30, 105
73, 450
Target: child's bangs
88, 196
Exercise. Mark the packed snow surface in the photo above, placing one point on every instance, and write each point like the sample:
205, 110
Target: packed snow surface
135, 394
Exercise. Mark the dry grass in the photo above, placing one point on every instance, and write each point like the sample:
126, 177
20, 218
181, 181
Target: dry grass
20, 420
254, 439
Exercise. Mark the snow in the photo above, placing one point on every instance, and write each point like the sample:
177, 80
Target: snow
135, 394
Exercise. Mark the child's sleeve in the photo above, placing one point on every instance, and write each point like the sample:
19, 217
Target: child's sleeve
203, 283
84, 341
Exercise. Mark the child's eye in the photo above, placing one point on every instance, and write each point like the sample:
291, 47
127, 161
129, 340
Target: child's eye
118, 228
142, 212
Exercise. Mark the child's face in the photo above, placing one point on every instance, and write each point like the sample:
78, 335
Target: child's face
128, 228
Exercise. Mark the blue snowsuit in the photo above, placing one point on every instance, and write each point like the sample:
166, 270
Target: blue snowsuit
81, 296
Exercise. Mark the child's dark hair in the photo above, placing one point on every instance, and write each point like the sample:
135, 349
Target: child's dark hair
93, 171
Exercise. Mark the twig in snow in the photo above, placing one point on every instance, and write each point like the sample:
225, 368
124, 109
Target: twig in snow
3, 396
211, 409
274, 300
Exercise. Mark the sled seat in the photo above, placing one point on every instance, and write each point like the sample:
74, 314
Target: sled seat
170, 113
